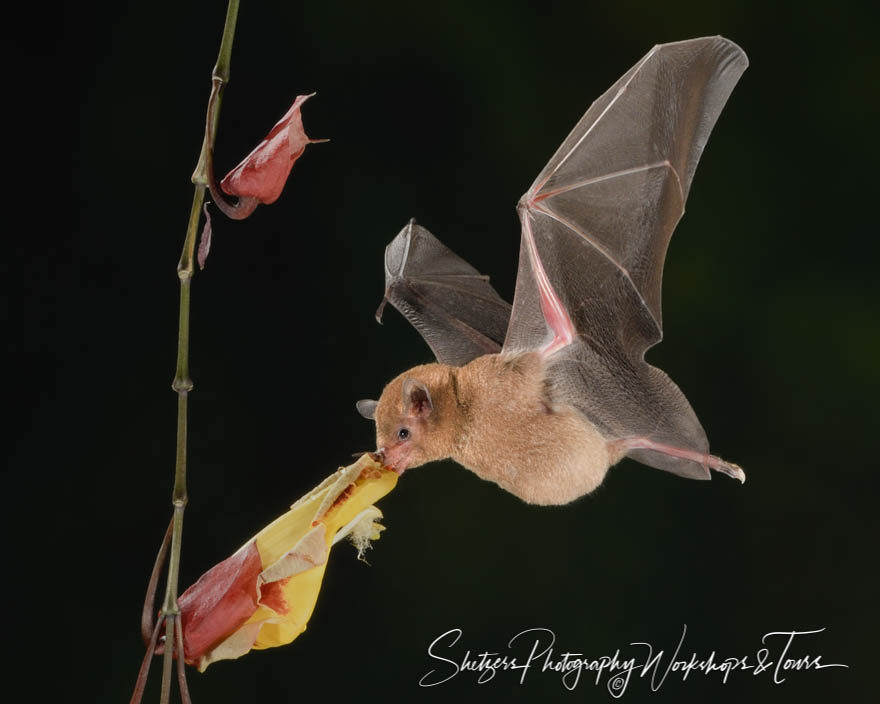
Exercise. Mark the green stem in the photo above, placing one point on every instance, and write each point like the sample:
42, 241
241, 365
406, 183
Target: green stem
148, 615
204, 173
182, 383
219, 78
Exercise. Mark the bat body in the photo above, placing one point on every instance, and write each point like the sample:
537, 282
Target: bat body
544, 396
494, 417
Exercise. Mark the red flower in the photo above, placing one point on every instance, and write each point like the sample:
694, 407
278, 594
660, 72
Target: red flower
261, 175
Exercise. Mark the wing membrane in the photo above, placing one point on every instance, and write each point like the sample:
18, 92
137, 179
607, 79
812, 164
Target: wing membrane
619, 183
595, 227
448, 301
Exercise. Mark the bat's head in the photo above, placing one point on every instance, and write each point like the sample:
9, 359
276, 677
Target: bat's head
410, 418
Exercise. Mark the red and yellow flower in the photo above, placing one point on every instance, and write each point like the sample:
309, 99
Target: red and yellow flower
264, 594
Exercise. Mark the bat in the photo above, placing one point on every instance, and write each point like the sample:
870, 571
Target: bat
544, 396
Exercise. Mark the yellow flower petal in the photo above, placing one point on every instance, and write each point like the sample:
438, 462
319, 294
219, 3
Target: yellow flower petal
293, 552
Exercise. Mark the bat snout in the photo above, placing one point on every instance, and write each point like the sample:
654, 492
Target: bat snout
395, 457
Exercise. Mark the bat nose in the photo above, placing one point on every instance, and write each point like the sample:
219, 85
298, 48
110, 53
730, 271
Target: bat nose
381, 452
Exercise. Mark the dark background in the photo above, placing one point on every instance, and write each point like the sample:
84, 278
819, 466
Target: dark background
446, 113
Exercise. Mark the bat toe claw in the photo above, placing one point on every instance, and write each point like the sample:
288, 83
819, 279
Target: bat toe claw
728, 468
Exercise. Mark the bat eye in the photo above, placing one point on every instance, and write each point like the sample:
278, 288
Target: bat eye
403, 434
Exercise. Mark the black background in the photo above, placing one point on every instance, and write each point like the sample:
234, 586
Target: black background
442, 112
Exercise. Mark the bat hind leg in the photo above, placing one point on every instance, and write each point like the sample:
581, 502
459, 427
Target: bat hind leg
625, 445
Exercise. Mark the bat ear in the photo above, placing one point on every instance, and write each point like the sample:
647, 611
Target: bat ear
367, 408
416, 398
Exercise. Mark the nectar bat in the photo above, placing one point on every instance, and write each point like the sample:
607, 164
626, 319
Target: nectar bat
542, 398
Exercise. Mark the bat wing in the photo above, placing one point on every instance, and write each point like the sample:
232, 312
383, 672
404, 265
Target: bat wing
595, 227
450, 303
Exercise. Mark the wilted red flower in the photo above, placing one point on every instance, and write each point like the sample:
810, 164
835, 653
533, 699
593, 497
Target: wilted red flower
261, 175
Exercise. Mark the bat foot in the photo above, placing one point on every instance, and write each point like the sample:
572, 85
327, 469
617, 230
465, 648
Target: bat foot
728, 468
625, 445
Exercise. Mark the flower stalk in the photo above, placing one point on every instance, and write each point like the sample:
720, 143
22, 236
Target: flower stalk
182, 385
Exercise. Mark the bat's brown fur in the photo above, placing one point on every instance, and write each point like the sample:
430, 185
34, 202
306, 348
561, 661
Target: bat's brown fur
494, 417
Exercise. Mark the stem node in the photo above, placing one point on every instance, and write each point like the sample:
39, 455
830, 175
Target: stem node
182, 386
